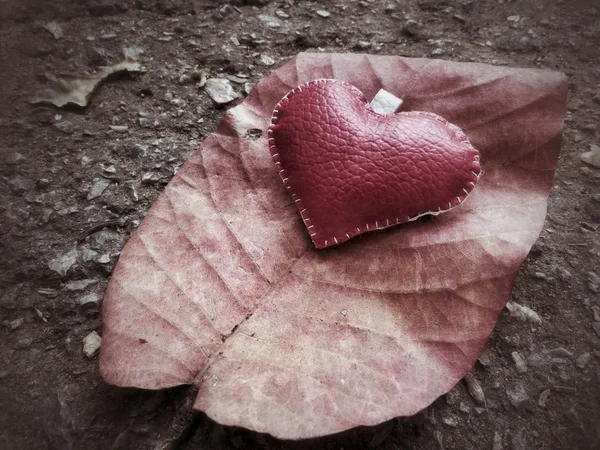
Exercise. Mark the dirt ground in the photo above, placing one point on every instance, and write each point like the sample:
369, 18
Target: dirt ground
59, 244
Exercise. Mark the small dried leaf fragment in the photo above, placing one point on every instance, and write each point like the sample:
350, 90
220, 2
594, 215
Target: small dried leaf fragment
78, 89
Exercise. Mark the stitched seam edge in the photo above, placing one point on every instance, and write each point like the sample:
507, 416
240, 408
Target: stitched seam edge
312, 229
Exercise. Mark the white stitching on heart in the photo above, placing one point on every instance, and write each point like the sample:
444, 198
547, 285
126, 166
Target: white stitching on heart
275, 155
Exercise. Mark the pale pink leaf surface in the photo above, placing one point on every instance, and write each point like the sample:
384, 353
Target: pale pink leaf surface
220, 283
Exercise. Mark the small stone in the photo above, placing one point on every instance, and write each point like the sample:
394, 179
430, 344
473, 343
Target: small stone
587, 171
323, 13
87, 254
109, 169
14, 158
42, 183
133, 193
513, 18
91, 344
479, 410
266, 60
592, 157
9, 298
485, 359
79, 285
97, 55
518, 441
54, 29
523, 312
65, 127
564, 274
583, 360
179, 102
543, 398
463, 408
63, 263
98, 187
103, 238
248, 87
89, 299
70, 210
269, 21
450, 421
411, 27
596, 327
519, 362
452, 397
151, 177
23, 343
497, 443
119, 128
437, 52
187, 79
104, 259
517, 395
363, 45
220, 90
460, 18
19, 185
281, 14
15, 324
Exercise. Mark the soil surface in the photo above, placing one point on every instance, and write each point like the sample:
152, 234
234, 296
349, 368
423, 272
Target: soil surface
75, 183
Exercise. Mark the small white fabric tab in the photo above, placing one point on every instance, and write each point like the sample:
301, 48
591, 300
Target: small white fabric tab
385, 102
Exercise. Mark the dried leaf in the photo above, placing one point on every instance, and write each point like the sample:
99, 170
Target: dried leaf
220, 286
77, 89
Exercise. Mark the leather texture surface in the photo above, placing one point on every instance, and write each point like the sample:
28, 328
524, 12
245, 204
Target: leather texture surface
351, 170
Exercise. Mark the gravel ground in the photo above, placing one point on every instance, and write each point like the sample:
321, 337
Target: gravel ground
76, 182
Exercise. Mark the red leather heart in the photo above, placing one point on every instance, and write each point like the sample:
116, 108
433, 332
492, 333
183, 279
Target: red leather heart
351, 170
